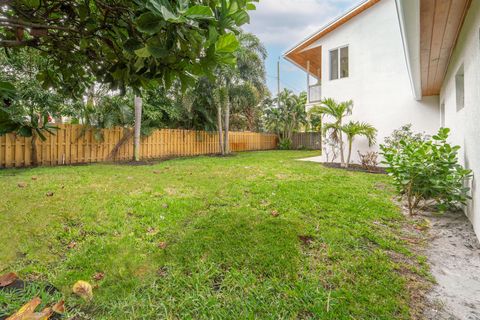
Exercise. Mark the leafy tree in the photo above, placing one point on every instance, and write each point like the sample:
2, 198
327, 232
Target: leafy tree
286, 116
125, 43
354, 129
233, 85
427, 172
30, 107
315, 116
336, 112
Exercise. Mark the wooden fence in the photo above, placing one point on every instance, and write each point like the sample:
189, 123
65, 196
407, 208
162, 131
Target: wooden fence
307, 140
70, 146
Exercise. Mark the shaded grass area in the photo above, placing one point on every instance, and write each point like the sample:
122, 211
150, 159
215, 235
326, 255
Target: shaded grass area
328, 254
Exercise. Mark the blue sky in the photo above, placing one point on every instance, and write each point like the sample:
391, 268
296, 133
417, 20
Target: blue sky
281, 24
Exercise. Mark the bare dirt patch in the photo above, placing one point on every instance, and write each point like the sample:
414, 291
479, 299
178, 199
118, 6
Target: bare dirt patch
453, 255
354, 167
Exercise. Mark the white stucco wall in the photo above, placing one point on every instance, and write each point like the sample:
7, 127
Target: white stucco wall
378, 81
465, 124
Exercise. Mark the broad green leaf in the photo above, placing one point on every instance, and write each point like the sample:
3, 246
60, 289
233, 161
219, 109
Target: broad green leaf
143, 52
199, 12
157, 51
149, 23
226, 43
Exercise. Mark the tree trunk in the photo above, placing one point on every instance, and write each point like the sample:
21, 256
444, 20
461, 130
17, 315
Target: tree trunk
226, 145
33, 156
220, 131
342, 156
350, 141
138, 127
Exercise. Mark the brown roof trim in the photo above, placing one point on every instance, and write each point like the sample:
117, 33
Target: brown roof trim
333, 25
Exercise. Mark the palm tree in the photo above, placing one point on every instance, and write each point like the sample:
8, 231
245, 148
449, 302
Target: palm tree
229, 86
288, 117
356, 128
337, 111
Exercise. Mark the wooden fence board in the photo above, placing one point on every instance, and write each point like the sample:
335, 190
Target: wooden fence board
307, 140
73, 144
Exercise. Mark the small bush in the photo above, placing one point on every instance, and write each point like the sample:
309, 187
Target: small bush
369, 160
285, 144
426, 171
404, 133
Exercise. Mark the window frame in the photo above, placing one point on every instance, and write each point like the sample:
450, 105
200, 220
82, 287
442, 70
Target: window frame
339, 62
460, 88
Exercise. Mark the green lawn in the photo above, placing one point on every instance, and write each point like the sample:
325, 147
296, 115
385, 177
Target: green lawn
328, 255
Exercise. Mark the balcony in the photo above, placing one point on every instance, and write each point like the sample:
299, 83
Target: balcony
315, 93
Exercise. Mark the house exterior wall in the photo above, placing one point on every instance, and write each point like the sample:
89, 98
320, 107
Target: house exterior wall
465, 123
378, 81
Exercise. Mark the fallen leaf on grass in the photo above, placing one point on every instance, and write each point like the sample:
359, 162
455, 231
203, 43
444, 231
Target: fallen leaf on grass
156, 172
83, 289
34, 178
275, 213
22, 184
307, 240
72, 245
162, 272
99, 276
49, 194
59, 307
162, 245
165, 206
151, 231
8, 279
27, 312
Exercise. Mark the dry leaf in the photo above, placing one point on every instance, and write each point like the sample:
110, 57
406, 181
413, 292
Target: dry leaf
34, 178
8, 279
99, 276
165, 206
151, 231
72, 245
83, 289
156, 172
49, 194
275, 213
22, 184
162, 272
162, 245
59, 307
27, 312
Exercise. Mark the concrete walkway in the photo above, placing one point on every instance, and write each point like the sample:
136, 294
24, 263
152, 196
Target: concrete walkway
317, 159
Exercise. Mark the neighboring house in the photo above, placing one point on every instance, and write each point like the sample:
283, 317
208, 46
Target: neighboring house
404, 61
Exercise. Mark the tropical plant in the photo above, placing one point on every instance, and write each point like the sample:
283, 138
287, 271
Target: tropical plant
403, 133
127, 44
369, 160
354, 129
336, 112
427, 172
28, 108
286, 115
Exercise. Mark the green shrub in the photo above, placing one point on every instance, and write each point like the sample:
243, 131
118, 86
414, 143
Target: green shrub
426, 171
403, 133
285, 144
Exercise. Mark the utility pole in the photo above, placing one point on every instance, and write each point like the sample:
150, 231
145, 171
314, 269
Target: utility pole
278, 82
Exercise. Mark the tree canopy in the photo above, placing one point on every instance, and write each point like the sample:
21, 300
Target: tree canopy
124, 43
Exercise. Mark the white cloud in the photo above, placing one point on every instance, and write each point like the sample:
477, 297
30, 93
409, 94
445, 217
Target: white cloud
286, 22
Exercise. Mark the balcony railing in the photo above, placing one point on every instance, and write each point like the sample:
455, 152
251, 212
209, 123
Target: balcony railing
315, 93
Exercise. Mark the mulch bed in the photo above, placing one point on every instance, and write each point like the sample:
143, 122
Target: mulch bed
354, 167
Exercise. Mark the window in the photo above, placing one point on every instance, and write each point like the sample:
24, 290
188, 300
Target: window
339, 63
344, 62
460, 88
333, 64
442, 115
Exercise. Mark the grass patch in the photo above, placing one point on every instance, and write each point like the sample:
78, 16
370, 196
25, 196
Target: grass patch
196, 238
